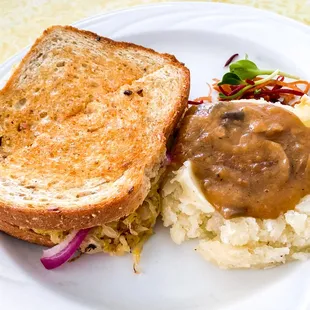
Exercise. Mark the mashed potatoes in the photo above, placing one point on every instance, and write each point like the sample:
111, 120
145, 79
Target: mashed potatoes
242, 242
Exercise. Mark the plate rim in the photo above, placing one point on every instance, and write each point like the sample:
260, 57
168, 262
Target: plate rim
100, 16
193, 3
103, 15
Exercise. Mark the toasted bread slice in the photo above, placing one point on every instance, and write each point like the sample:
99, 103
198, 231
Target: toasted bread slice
26, 234
83, 123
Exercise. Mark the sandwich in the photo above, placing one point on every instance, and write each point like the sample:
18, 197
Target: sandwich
84, 124
239, 183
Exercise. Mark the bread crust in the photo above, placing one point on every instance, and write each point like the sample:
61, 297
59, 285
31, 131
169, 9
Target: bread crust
88, 216
25, 234
12, 217
100, 39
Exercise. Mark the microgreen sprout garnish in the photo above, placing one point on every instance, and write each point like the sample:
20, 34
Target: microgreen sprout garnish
234, 95
247, 69
231, 78
245, 80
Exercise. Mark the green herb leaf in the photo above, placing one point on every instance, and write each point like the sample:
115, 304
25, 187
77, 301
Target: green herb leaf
230, 79
245, 69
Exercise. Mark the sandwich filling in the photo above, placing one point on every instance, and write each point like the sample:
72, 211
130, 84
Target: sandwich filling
127, 235
241, 183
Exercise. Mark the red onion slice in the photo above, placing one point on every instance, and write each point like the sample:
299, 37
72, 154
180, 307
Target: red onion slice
62, 252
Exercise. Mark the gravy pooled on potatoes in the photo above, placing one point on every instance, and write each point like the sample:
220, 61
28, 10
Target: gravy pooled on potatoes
250, 159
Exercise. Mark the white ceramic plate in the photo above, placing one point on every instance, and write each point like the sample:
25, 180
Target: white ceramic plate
203, 35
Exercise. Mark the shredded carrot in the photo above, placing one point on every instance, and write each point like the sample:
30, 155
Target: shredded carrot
306, 83
269, 90
296, 102
206, 98
226, 88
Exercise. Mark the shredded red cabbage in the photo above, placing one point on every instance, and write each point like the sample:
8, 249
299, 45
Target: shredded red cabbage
281, 79
250, 82
237, 89
230, 60
282, 91
195, 102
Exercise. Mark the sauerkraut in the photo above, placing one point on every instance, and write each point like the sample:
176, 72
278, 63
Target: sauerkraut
126, 235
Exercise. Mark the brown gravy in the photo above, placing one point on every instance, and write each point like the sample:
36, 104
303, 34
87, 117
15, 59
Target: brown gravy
250, 159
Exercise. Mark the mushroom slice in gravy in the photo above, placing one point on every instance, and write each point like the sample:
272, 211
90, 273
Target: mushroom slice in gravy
249, 159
